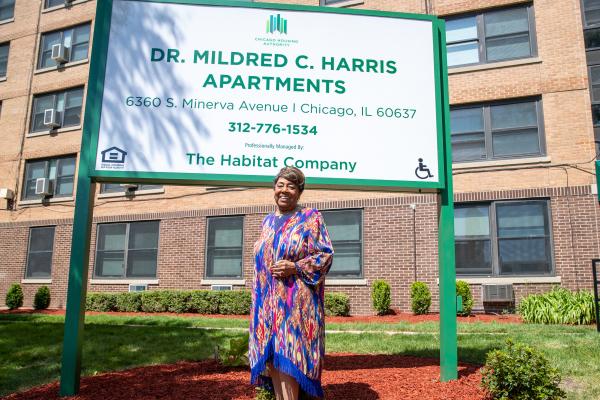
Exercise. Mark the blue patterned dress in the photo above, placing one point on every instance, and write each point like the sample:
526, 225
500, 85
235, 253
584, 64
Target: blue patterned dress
287, 325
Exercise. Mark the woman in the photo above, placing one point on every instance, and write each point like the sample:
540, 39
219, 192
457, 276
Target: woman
292, 257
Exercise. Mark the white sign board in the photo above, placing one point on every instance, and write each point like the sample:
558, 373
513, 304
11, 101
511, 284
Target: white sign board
245, 91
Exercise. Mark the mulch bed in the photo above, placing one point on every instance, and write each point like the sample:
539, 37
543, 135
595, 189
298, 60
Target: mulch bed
345, 377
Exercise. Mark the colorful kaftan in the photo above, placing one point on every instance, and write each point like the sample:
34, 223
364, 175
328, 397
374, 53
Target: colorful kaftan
287, 325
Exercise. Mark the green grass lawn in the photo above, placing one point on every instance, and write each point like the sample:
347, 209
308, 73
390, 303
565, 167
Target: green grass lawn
30, 345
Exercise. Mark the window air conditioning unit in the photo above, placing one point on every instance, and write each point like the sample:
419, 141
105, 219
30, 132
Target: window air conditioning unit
497, 293
51, 118
129, 187
221, 287
138, 288
60, 53
6, 193
43, 186
68, 2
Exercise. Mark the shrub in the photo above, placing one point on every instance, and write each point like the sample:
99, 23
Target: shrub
519, 372
235, 302
155, 301
129, 302
559, 306
204, 302
14, 296
178, 302
381, 296
420, 298
101, 302
463, 289
337, 304
41, 301
237, 353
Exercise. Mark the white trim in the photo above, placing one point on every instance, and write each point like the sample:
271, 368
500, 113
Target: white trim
234, 282
124, 281
61, 66
3, 79
61, 6
54, 131
40, 202
510, 280
347, 3
594, 188
7, 21
494, 65
501, 163
33, 280
345, 282
137, 193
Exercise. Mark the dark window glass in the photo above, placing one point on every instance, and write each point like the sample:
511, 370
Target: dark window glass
595, 82
7, 9
490, 36
127, 250
591, 12
66, 104
224, 247
60, 172
592, 38
117, 188
76, 41
39, 254
515, 242
53, 3
3, 59
330, 2
345, 231
497, 130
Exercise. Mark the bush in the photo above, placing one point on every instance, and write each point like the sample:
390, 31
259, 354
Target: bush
101, 302
235, 302
129, 302
463, 289
519, 372
420, 298
14, 296
337, 304
41, 301
381, 296
204, 302
559, 306
155, 301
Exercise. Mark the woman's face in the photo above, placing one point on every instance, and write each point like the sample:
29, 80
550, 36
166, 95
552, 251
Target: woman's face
287, 195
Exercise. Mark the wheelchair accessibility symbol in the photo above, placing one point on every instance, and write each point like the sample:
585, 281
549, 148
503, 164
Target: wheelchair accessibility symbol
422, 172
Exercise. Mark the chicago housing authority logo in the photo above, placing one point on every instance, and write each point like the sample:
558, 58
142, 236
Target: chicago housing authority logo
277, 31
277, 24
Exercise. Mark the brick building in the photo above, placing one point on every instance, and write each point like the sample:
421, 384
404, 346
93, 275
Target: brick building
523, 112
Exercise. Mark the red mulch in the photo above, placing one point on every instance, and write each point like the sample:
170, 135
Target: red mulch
388, 319
346, 376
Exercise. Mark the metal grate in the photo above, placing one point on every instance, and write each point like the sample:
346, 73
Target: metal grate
497, 293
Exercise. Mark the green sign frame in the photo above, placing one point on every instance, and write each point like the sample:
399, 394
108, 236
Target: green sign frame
88, 176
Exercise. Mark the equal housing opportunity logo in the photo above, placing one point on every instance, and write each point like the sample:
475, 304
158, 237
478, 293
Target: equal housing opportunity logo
277, 30
113, 158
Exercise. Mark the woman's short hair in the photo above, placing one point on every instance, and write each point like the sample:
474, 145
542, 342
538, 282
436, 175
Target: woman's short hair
293, 175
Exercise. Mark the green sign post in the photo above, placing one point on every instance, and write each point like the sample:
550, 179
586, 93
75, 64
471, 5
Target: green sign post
423, 126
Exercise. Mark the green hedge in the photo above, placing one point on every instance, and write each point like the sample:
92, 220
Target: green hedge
175, 301
337, 304
381, 296
14, 296
41, 301
559, 306
420, 298
463, 289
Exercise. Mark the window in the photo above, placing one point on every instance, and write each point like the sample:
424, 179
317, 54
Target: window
3, 59
76, 40
345, 231
224, 247
127, 250
503, 238
67, 105
497, 130
116, 187
7, 9
491, 36
39, 253
591, 12
60, 172
53, 3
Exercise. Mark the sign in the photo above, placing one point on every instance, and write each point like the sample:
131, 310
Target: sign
214, 93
